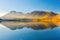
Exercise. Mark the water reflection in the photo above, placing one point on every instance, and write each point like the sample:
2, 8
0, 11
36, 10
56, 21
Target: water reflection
29, 24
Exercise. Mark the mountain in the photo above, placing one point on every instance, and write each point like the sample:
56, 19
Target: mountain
12, 15
32, 15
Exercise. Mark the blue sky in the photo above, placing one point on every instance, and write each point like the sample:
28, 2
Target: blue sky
30, 5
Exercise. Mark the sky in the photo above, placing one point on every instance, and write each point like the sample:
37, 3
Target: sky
29, 6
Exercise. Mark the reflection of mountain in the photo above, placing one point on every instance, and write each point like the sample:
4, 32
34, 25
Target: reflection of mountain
34, 20
33, 25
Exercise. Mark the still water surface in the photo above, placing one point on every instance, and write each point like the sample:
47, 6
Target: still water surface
27, 33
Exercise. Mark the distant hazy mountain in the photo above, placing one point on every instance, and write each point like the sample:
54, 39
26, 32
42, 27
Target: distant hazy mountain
12, 15
16, 15
42, 13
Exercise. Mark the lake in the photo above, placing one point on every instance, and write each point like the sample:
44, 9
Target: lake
27, 31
